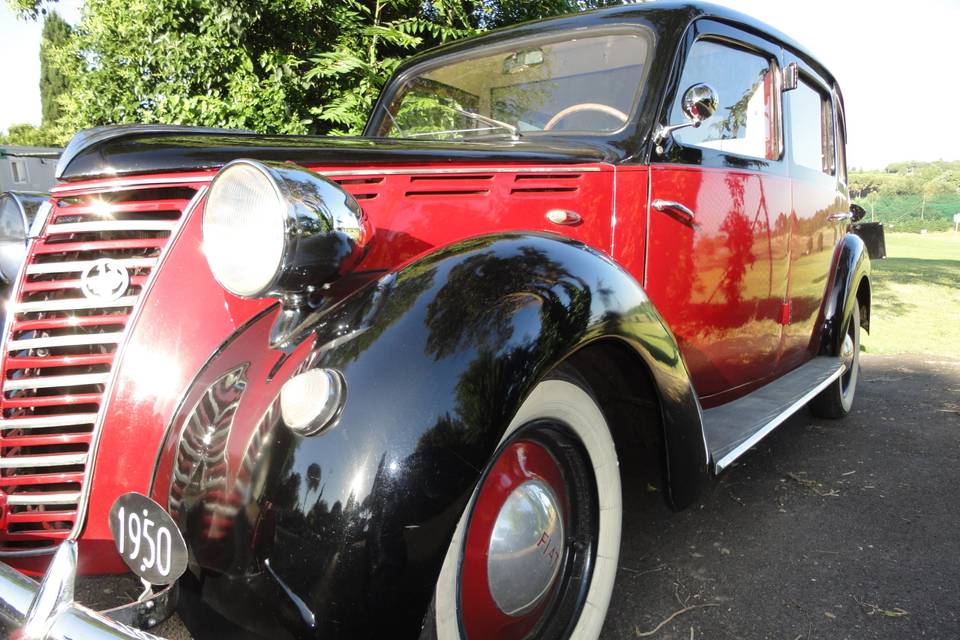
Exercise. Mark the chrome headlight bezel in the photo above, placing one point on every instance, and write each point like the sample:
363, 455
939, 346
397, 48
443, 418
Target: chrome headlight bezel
324, 230
29, 211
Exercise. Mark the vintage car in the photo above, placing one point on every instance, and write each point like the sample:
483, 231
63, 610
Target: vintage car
319, 387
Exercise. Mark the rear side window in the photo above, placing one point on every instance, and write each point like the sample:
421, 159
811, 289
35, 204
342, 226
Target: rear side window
746, 122
811, 129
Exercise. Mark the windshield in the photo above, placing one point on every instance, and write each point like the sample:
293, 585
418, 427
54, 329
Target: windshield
584, 84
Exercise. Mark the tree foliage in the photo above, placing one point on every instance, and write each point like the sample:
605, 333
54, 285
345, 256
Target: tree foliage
907, 178
53, 80
909, 196
28, 135
272, 66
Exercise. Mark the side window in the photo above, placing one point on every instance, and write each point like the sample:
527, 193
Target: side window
811, 129
746, 122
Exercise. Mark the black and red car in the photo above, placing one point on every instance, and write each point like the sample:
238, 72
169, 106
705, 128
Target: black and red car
360, 387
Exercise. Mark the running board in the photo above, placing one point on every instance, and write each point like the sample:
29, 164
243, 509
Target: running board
732, 428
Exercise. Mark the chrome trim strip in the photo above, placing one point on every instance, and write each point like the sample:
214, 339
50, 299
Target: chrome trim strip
71, 304
83, 265
112, 225
459, 170
136, 182
21, 499
45, 382
132, 319
42, 422
116, 183
758, 435
66, 341
49, 460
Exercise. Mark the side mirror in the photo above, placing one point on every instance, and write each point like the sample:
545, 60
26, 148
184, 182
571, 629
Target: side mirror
858, 212
700, 101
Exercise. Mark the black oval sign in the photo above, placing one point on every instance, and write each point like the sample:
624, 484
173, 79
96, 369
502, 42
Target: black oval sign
148, 539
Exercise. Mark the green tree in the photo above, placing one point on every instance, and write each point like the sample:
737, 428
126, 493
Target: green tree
28, 135
371, 42
272, 66
488, 15
31, 9
53, 80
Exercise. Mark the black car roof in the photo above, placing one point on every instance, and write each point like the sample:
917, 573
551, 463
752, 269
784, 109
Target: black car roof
685, 12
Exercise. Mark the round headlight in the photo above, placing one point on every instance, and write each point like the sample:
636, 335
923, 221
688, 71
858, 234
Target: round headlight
243, 229
279, 229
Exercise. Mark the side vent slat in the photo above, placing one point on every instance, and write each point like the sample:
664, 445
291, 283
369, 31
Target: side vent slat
550, 183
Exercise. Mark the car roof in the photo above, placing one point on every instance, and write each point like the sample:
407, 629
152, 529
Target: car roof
667, 10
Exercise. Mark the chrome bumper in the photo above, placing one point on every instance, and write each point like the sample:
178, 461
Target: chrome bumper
46, 610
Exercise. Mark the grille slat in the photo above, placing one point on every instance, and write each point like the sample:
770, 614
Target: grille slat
43, 461
83, 265
111, 225
72, 304
49, 382
65, 341
60, 347
44, 422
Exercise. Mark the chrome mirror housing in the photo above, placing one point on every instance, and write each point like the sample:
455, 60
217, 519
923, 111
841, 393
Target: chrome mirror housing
699, 102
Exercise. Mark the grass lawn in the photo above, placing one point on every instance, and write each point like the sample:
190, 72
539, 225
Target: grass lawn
916, 296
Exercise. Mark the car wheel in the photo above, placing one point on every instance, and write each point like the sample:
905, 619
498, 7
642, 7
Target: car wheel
535, 553
836, 400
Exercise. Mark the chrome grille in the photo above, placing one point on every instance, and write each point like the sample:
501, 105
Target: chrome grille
59, 349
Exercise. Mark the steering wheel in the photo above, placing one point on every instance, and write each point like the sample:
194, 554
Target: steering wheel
584, 106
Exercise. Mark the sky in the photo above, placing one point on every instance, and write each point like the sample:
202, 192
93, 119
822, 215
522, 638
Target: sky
895, 62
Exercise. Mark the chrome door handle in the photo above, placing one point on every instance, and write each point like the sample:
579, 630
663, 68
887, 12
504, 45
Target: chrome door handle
846, 216
669, 206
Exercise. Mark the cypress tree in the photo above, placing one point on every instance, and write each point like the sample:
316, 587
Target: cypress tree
53, 82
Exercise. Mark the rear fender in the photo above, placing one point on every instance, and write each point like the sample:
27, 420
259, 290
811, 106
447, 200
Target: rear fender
850, 267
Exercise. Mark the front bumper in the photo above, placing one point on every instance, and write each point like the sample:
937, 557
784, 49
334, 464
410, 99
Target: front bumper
46, 610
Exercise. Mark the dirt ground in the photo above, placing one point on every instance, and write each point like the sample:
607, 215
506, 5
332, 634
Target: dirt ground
827, 529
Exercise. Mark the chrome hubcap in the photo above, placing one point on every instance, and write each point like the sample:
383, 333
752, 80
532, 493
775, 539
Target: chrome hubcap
846, 351
526, 548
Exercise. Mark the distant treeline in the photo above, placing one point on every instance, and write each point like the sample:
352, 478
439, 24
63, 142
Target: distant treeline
910, 196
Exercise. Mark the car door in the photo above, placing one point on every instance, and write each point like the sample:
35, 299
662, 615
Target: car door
718, 216
820, 203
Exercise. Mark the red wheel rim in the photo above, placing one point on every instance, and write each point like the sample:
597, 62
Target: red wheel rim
520, 462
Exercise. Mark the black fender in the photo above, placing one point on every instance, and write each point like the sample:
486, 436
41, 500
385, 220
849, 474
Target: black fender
850, 268
342, 534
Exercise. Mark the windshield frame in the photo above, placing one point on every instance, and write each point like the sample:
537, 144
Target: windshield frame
381, 116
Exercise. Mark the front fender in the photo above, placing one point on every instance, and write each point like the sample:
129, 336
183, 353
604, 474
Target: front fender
343, 534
